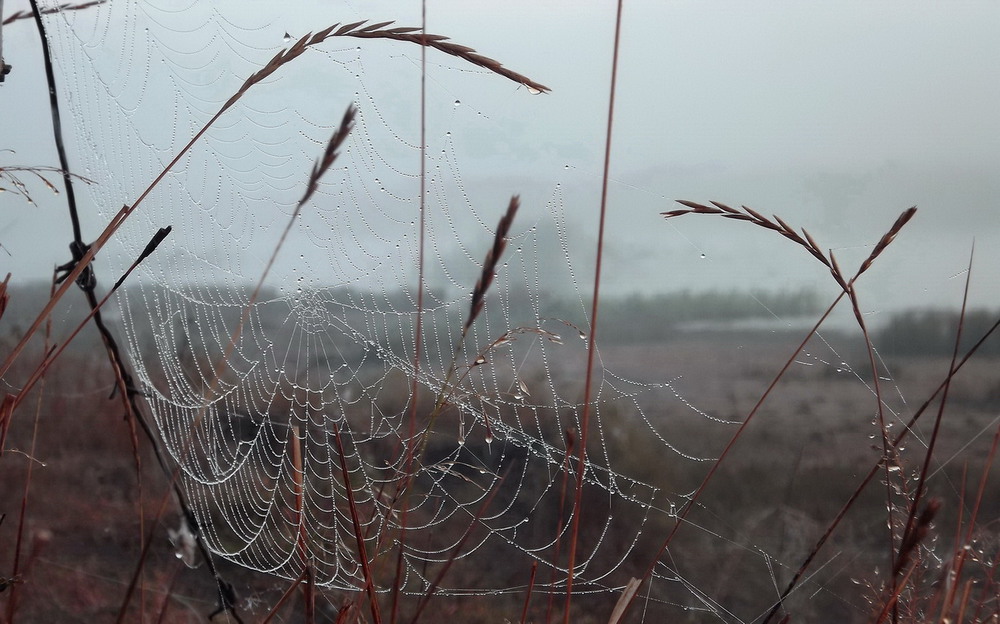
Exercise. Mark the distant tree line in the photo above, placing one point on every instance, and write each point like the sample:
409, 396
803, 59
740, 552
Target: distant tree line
932, 332
640, 318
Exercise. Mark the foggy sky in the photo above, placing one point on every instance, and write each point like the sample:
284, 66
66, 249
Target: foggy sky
835, 116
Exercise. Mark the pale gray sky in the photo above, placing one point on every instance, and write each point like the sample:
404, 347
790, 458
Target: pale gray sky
835, 116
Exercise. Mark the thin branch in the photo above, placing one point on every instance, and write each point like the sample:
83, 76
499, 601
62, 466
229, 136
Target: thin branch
594, 307
22, 15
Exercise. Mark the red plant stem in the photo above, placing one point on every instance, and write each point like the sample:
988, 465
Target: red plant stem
958, 563
887, 449
910, 525
925, 467
169, 593
426, 598
418, 329
527, 596
358, 534
298, 472
893, 601
12, 598
560, 524
141, 563
284, 597
581, 468
53, 354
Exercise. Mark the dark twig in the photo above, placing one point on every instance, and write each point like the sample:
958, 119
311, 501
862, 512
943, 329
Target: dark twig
57, 122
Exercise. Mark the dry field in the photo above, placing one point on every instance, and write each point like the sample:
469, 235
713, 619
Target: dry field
792, 470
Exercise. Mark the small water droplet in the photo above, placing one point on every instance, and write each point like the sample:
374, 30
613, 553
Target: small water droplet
287, 38
489, 438
703, 256
532, 90
458, 102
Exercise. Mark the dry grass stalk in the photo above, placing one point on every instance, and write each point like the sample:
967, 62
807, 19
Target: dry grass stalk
777, 225
626, 597
830, 261
914, 538
298, 473
806, 241
349, 30
285, 597
329, 154
122, 387
904, 432
963, 547
6, 413
490, 263
911, 521
322, 166
440, 43
449, 387
20, 187
358, 533
16, 573
902, 220
378, 31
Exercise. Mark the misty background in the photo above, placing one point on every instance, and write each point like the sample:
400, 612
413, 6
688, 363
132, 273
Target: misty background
834, 117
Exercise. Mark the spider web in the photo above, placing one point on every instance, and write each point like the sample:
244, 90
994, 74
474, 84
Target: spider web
322, 364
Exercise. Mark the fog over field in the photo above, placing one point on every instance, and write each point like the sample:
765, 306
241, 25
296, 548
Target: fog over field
835, 117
